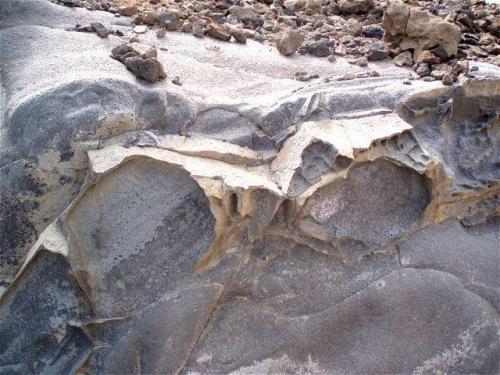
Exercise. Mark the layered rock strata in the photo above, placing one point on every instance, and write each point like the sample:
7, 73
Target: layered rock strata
244, 223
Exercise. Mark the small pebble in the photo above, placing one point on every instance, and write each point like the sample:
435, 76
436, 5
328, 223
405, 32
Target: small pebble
177, 81
161, 33
140, 29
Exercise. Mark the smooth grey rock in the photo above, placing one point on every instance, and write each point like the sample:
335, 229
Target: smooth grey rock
159, 340
228, 126
141, 230
376, 203
294, 280
86, 104
45, 128
35, 310
470, 254
71, 353
379, 325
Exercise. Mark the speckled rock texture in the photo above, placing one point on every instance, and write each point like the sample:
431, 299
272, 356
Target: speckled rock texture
244, 222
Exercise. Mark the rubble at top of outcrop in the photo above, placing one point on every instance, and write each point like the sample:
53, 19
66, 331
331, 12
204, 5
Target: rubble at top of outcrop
440, 35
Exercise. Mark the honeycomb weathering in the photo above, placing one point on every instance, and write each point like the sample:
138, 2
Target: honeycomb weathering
248, 224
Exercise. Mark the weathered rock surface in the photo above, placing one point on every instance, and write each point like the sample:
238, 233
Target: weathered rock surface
244, 222
355, 6
420, 30
289, 42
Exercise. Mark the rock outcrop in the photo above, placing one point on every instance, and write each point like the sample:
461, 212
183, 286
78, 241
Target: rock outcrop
244, 222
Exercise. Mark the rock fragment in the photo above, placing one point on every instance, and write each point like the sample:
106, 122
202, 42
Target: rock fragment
161, 33
239, 36
177, 81
198, 31
373, 31
361, 61
169, 20
322, 48
103, 33
187, 27
127, 11
355, 6
427, 57
353, 27
289, 42
218, 32
304, 76
377, 51
99, 29
395, 20
447, 79
149, 18
140, 29
423, 70
419, 30
144, 65
244, 14
404, 59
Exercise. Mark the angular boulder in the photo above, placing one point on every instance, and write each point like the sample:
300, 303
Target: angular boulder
355, 6
289, 42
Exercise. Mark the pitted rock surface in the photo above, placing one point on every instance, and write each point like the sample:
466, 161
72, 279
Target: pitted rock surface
245, 222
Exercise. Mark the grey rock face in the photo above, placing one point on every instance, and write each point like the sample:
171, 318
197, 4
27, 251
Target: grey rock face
164, 216
375, 203
161, 338
34, 312
470, 254
378, 325
244, 222
230, 126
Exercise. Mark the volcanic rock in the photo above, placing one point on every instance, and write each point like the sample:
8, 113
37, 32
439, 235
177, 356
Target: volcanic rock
218, 32
355, 6
144, 65
289, 42
373, 31
169, 20
419, 30
238, 35
127, 10
249, 221
404, 59
149, 18
354, 27
377, 51
427, 57
244, 14
161, 33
